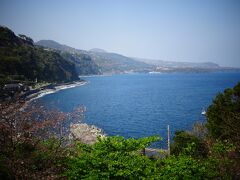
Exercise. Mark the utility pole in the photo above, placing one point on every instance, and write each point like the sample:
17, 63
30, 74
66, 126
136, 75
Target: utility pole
168, 140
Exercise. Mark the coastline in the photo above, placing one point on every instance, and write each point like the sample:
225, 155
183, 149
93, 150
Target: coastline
53, 89
97, 75
87, 134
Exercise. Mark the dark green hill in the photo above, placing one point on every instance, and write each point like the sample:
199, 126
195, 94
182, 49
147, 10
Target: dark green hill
20, 58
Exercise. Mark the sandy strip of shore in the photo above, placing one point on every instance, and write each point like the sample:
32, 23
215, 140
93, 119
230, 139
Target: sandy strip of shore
55, 89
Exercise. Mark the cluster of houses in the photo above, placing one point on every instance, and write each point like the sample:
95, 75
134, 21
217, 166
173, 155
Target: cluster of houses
9, 91
18, 87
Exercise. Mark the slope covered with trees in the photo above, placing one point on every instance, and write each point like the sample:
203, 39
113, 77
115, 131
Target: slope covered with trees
83, 62
21, 59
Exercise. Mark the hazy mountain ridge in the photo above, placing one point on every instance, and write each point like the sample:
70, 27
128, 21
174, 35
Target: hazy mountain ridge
98, 50
116, 63
107, 62
174, 64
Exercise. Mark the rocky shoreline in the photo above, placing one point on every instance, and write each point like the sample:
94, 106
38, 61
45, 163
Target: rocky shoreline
87, 134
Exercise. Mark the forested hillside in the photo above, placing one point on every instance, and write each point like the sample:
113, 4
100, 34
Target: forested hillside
21, 59
83, 62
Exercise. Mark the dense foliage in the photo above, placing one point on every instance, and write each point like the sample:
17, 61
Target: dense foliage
113, 158
224, 116
186, 167
19, 57
181, 141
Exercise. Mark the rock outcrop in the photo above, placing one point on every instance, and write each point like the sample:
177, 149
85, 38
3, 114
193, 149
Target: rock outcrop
85, 133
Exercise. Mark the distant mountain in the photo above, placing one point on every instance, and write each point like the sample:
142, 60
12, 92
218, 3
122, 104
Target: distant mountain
107, 62
116, 63
97, 50
20, 58
172, 64
96, 61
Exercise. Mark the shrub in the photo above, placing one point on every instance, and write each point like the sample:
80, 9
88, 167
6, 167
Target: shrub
113, 158
223, 116
182, 139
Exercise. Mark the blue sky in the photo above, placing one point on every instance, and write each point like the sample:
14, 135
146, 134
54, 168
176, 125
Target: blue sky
176, 30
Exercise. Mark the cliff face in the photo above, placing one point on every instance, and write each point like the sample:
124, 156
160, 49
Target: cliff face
20, 58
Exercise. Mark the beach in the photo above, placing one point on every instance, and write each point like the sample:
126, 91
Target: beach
53, 89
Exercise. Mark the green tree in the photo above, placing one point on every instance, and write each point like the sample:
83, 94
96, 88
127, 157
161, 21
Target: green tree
182, 139
20, 57
224, 116
186, 167
113, 158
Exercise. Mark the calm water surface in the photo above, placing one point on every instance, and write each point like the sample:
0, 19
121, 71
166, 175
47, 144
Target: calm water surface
138, 105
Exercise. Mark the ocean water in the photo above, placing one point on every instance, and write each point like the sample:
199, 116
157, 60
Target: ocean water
139, 105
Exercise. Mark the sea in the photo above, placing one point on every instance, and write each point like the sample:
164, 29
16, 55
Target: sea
141, 105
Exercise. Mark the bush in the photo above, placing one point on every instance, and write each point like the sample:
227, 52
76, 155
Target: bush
186, 167
113, 158
31, 141
182, 139
223, 116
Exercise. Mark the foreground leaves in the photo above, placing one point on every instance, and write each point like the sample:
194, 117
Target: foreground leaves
113, 158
